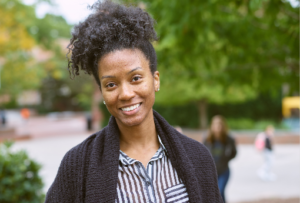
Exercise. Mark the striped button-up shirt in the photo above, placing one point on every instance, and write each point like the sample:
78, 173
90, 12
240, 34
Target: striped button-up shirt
157, 183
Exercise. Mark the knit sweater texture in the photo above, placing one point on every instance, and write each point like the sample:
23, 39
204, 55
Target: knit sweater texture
89, 171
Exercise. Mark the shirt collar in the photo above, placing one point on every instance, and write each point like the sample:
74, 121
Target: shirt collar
161, 144
126, 160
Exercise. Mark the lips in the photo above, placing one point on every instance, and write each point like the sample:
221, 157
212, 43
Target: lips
130, 108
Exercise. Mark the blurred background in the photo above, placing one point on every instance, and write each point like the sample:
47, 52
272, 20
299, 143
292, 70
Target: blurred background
235, 58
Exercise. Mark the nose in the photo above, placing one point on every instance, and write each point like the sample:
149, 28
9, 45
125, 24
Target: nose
126, 92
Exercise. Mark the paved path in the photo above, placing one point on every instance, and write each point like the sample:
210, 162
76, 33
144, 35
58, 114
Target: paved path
50, 125
244, 185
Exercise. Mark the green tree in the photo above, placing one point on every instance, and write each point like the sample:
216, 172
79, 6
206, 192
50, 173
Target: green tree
20, 32
224, 51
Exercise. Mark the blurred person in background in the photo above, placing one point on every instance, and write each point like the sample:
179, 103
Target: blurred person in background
138, 156
89, 122
25, 114
2, 118
263, 143
222, 148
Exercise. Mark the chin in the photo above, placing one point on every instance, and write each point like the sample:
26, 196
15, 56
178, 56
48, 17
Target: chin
131, 122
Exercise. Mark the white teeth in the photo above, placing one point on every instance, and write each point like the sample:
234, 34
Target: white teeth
130, 108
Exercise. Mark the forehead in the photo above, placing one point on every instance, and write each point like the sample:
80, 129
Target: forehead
217, 120
122, 60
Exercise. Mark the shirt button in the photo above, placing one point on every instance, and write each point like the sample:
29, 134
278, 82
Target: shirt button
148, 183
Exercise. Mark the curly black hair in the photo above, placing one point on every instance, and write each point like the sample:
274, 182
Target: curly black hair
110, 27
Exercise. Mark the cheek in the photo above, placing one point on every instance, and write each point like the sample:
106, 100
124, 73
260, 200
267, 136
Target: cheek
147, 90
110, 98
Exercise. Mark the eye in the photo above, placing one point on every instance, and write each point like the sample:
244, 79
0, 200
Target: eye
136, 78
110, 85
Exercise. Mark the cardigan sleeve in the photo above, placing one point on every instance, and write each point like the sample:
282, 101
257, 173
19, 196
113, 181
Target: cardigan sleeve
212, 178
206, 172
62, 189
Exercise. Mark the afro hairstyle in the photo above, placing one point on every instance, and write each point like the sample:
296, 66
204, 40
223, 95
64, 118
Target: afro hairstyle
110, 27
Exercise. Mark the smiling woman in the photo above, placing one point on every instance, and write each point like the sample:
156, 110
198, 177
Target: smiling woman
138, 157
128, 86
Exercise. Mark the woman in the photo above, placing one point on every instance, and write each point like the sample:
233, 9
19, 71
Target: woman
222, 147
138, 157
264, 143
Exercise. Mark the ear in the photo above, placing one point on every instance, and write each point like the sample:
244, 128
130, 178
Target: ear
156, 81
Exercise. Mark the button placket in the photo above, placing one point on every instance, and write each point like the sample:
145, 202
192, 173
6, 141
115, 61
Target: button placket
147, 181
149, 169
150, 189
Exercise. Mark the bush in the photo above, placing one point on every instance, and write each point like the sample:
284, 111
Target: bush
19, 178
249, 124
241, 123
183, 115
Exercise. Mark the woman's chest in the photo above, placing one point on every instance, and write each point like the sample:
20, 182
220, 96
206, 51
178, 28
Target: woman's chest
158, 182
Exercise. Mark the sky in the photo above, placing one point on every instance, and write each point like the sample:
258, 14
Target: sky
75, 11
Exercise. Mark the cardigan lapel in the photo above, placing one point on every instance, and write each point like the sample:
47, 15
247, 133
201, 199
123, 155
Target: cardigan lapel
103, 170
103, 165
178, 156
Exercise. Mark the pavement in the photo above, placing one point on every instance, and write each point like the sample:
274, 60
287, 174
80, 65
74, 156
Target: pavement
53, 124
52, 137
244, 184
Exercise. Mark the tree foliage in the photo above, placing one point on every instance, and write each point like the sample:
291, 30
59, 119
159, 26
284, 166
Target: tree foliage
224, 51
13, 31
20, 32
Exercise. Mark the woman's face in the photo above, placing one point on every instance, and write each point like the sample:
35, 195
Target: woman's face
128, 86
216, 126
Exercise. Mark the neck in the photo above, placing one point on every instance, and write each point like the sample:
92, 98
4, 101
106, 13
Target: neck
139, 137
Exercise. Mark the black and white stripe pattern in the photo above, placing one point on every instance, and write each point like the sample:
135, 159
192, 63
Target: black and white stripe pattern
158, 182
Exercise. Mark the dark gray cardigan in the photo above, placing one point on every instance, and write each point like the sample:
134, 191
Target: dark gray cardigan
89, 171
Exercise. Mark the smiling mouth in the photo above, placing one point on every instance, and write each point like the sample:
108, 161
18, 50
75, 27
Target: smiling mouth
131, 108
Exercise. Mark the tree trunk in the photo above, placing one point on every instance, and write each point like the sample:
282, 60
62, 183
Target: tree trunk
202, 107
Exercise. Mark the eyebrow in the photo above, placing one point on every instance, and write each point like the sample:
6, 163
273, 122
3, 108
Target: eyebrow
108, 76
111, 76
134, 70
